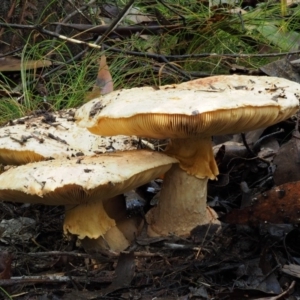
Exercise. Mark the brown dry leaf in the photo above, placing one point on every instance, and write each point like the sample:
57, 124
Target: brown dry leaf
104, 82
124, 273
278, 205
12, 64
5, 265
288, 162
281, 68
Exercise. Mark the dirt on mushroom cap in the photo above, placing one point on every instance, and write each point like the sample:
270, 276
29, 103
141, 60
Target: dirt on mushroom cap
219, 105
53, 135
80, 180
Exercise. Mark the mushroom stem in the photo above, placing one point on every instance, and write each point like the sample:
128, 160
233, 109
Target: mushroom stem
102, 224
91, 221
195, 156
182, 205
113, 240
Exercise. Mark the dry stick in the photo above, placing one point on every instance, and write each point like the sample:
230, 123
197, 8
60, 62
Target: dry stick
121, 30
69, 16
11, 52
117, 21
92, 256
70, 254
250, 151
80, 9
145, 54
51, 279
172, 10
283, 294
48, 32
188, 56
258, 143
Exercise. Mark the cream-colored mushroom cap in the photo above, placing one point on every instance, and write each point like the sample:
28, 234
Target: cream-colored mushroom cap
85, 186
191, 111
53, 135
203, 107
82, 180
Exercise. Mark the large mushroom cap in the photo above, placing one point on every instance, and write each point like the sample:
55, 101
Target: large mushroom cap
53, 135
85, 185
82, 180
210, 106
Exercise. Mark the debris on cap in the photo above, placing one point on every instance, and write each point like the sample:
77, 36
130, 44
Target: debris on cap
53, 135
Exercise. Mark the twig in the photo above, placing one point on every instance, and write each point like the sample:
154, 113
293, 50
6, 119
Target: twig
282, 295
79, 10
251, 151
22, 140
200, 55
247, 146
85, 255
69, 16
122, 30
51, 136
51, 279
174, 246
172, 10
151, 55
259, 141
70, 254
117, 21
51, 33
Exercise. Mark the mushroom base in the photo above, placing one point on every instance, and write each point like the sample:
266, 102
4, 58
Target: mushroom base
182, 205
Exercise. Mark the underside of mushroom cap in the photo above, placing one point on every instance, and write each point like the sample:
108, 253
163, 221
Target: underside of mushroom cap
221, 105
53, 135
83, 180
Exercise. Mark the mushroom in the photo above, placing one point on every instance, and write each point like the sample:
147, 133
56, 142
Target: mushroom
189, 114
88, 187
53, 135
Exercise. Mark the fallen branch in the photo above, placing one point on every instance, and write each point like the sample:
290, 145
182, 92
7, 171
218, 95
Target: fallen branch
52, 279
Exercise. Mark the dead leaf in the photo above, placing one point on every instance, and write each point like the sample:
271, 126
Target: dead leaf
5, 265
278, 206
104, 82
281, 68
104, 79
287, 160
124, 273
12, 64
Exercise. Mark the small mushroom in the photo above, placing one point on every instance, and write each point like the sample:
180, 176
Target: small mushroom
189, 114
88, 187
53, 135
